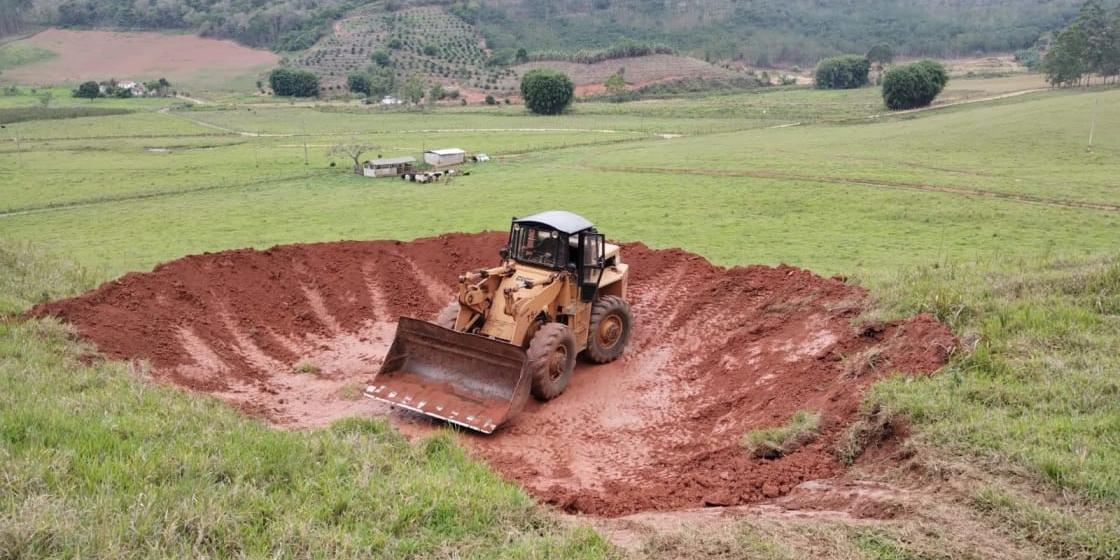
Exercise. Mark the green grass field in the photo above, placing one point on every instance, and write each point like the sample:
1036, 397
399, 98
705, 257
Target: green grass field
995, 216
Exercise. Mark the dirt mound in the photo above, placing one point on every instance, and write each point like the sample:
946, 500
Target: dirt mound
295, 332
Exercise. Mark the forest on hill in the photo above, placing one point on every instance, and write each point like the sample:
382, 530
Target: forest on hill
765, 32
760, 32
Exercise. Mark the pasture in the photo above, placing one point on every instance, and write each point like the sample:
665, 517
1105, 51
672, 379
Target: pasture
994, 216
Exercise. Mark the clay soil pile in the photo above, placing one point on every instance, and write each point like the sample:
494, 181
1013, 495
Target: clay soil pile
294, 333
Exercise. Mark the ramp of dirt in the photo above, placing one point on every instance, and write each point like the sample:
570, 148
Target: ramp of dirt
293, 334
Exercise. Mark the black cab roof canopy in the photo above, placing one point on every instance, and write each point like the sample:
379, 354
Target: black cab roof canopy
560, 220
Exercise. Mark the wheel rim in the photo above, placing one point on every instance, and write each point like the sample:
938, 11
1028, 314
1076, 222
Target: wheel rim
610, 332
557, 364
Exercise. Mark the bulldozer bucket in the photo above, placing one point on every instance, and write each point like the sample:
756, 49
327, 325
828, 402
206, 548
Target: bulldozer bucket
469, 380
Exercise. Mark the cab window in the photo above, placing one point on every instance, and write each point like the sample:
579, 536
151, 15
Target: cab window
537, 245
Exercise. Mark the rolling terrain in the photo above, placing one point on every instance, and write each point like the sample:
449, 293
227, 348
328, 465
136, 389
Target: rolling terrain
992, 217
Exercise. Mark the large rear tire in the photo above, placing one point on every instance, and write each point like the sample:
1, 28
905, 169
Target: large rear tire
551, 359
449, 315
609, 329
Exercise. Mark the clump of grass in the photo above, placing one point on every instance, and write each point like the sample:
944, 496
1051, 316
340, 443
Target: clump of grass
29, 275
306, 367
771, 443
863, 363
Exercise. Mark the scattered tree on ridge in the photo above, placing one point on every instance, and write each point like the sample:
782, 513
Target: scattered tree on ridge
547, 91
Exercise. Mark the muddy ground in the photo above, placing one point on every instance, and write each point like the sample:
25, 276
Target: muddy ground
294, 333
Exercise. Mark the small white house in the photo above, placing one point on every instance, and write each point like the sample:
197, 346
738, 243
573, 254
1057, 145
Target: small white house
388, 167
445, 157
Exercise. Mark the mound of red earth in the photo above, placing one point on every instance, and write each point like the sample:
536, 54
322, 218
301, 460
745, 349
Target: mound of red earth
294, 333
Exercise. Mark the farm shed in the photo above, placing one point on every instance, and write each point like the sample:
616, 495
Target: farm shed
388, 167
444, 157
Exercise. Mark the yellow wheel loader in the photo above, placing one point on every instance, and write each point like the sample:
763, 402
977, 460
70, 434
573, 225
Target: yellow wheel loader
513, 330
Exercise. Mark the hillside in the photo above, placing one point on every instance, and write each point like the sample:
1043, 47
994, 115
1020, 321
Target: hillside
421, 41
761, 32
765, 32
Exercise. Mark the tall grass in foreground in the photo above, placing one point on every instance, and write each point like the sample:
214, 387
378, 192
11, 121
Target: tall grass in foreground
1038, 387
96, 462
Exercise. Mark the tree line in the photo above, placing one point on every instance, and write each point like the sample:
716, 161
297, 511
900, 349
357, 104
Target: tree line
771, 32
1090, 45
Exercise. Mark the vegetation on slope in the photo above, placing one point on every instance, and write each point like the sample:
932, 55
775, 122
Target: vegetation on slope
771, 31
1036, 386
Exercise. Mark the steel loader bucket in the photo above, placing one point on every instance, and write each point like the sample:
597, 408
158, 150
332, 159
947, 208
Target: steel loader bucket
466, 379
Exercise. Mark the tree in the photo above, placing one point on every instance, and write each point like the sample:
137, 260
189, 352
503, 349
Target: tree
615, 84
842, 72
380, 57
353, 150
413, 90
295, 83
547, 91
1065, 63
914, 85
880, 55
358, 83
88, 90
45, 99
522, 56
490, 100
1094, 22
436, 93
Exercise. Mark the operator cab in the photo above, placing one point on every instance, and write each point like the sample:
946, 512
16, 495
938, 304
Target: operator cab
562, 241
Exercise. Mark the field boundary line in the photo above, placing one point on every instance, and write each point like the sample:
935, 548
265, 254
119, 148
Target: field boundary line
878, 183
36, 209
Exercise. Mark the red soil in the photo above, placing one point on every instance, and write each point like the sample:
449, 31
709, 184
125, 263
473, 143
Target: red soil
715, 353
185, 60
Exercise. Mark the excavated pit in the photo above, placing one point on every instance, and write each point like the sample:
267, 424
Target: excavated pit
294, 333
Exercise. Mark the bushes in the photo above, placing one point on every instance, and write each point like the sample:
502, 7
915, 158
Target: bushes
914, 85
358, 83
88, 90
842, 72
546, 91
295, 83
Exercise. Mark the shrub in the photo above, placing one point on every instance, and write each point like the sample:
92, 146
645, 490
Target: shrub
842, 72
358, 83
88, 90
546, 91
490, 100
296, 83
380, 57
914, 85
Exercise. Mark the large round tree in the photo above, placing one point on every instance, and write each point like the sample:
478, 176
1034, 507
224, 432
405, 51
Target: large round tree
914, 85
547, 91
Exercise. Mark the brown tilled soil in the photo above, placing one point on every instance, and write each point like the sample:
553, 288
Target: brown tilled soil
186, 60
294, 333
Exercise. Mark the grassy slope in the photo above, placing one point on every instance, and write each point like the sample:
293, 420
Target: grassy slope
18, 54
1037, 395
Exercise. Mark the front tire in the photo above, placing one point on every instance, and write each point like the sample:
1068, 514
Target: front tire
609, 329
551, 359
